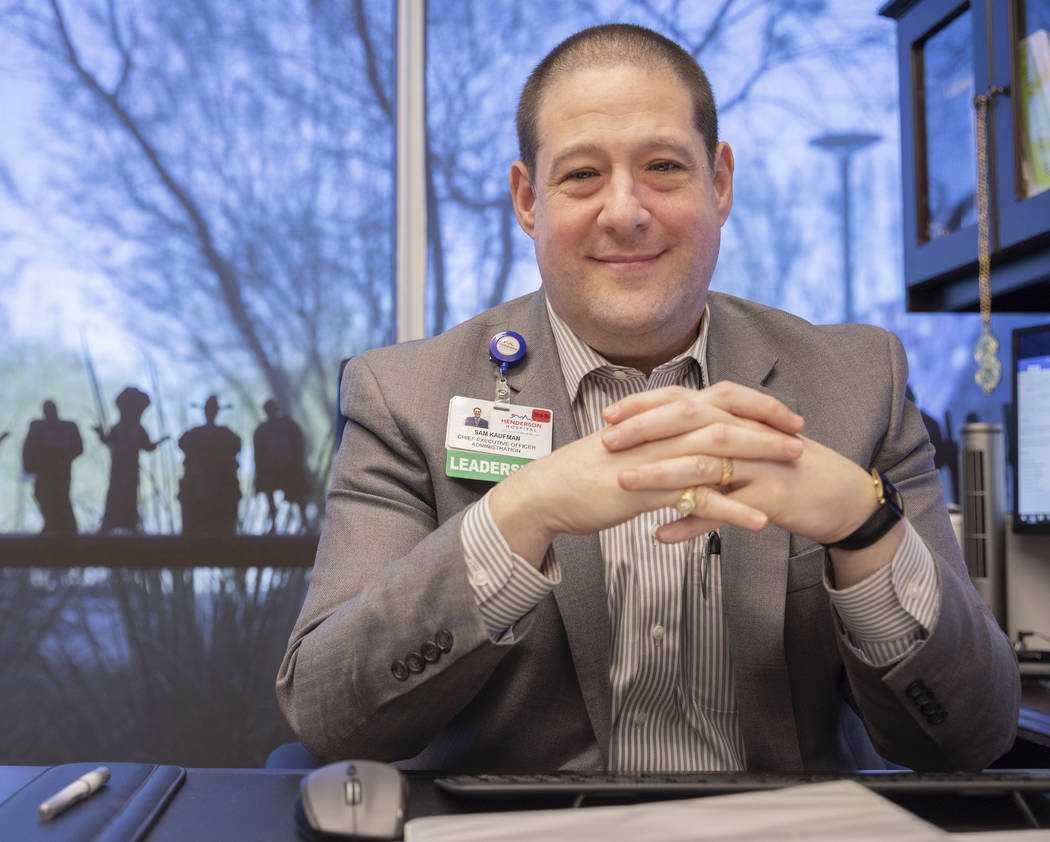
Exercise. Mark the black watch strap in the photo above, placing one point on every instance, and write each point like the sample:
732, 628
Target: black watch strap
890, 510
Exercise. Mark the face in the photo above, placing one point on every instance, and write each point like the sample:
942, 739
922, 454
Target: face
477, 412
624, 210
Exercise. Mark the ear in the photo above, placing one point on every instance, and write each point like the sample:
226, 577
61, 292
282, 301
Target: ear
523, 196
723, 177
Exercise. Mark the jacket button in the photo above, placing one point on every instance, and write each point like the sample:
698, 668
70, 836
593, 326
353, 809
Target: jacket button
430, 651
921, 698
414, 663
914, 689
938, 717
443, 639
929, 708
400, 669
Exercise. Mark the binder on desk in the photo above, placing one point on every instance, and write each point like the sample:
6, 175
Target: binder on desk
123, 810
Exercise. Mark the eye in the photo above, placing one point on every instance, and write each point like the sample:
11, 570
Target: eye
580, 175
664, 166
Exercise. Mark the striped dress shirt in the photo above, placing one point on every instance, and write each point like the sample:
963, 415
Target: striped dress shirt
673, 699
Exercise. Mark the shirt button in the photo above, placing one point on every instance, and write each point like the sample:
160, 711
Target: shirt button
914, 590
479, 578
640, 718
657, 633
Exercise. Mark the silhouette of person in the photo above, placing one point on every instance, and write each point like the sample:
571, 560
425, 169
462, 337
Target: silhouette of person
476, 420
50, 447
945, 448
209, 490
279, 463
124, 441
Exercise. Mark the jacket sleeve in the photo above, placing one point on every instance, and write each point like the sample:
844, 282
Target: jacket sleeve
390, 644
952, 703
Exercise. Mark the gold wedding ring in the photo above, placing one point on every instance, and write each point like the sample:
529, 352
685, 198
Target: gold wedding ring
727, 471
687, 502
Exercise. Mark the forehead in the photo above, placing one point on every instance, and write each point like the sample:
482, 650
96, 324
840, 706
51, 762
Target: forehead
606, 101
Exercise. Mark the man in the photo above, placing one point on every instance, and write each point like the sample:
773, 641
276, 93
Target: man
209, 490
475, 420
125, 439
280, 464
578, 613
50, 447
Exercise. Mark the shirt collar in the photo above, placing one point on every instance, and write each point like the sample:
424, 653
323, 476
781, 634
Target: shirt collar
578, 359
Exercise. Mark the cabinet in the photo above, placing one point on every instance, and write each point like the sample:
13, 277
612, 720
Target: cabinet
949, 51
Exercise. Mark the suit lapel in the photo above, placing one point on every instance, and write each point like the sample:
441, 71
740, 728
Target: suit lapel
754, 573
580, 597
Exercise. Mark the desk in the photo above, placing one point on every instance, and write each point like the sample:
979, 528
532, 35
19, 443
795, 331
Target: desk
218, 805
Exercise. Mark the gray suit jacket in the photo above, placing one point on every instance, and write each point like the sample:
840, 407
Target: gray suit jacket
390, 576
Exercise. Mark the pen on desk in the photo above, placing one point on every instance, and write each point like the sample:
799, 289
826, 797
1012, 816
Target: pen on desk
81, 788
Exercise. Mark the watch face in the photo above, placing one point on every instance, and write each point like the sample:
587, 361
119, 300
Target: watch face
894, 499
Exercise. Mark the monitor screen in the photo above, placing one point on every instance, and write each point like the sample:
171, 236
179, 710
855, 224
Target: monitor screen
1031, 374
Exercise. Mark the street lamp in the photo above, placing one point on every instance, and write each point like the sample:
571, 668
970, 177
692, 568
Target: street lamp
843, 145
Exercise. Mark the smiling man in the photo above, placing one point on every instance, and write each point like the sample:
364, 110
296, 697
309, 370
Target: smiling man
717, 539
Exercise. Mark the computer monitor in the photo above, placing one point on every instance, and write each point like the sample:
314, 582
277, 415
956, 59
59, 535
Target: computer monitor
1031, 423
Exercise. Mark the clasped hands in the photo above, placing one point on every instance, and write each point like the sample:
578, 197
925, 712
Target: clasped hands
661, 442
778, 475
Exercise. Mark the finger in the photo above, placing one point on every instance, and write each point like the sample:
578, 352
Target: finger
691, 411
711, 511
696, 469
669, 474
720, 438
642, 401
686, 528
688, 406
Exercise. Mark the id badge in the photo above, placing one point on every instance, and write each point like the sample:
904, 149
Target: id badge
490, 441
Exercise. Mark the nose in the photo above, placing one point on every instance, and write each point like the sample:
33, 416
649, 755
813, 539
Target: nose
624, 211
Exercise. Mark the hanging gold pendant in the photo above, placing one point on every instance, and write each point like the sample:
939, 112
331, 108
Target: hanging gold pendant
986, 353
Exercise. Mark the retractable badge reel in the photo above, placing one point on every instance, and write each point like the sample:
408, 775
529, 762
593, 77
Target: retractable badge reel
505, 349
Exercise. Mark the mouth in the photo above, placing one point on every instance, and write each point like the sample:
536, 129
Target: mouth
628, 261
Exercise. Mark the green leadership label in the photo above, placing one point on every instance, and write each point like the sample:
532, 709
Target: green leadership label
483, 466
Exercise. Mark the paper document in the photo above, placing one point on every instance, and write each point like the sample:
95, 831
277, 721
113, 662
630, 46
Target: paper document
840, 810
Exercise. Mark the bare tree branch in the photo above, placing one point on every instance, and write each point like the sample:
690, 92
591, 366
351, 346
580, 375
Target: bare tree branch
224, 271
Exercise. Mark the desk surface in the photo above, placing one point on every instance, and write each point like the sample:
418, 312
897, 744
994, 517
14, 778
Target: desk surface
216, 805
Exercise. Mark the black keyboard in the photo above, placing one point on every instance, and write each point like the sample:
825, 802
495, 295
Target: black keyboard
658, 785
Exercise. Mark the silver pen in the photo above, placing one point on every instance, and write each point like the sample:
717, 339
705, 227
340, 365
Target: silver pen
66, 797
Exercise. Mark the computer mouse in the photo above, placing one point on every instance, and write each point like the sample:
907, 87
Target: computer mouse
352, 799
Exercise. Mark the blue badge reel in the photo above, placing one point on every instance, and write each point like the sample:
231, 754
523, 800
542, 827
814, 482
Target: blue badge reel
506, 348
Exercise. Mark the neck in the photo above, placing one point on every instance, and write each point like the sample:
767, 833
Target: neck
644, 356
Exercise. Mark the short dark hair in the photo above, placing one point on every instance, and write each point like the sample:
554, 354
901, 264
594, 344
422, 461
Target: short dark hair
609, 45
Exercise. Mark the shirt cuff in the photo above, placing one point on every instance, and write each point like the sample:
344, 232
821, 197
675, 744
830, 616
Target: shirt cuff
891, 612
505, 586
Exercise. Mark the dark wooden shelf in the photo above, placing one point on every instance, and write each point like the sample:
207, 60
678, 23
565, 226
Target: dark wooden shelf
153, 551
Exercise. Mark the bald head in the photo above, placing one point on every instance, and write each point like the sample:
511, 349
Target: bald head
611, 45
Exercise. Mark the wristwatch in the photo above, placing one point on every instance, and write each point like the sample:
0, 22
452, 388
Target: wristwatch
890, 510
